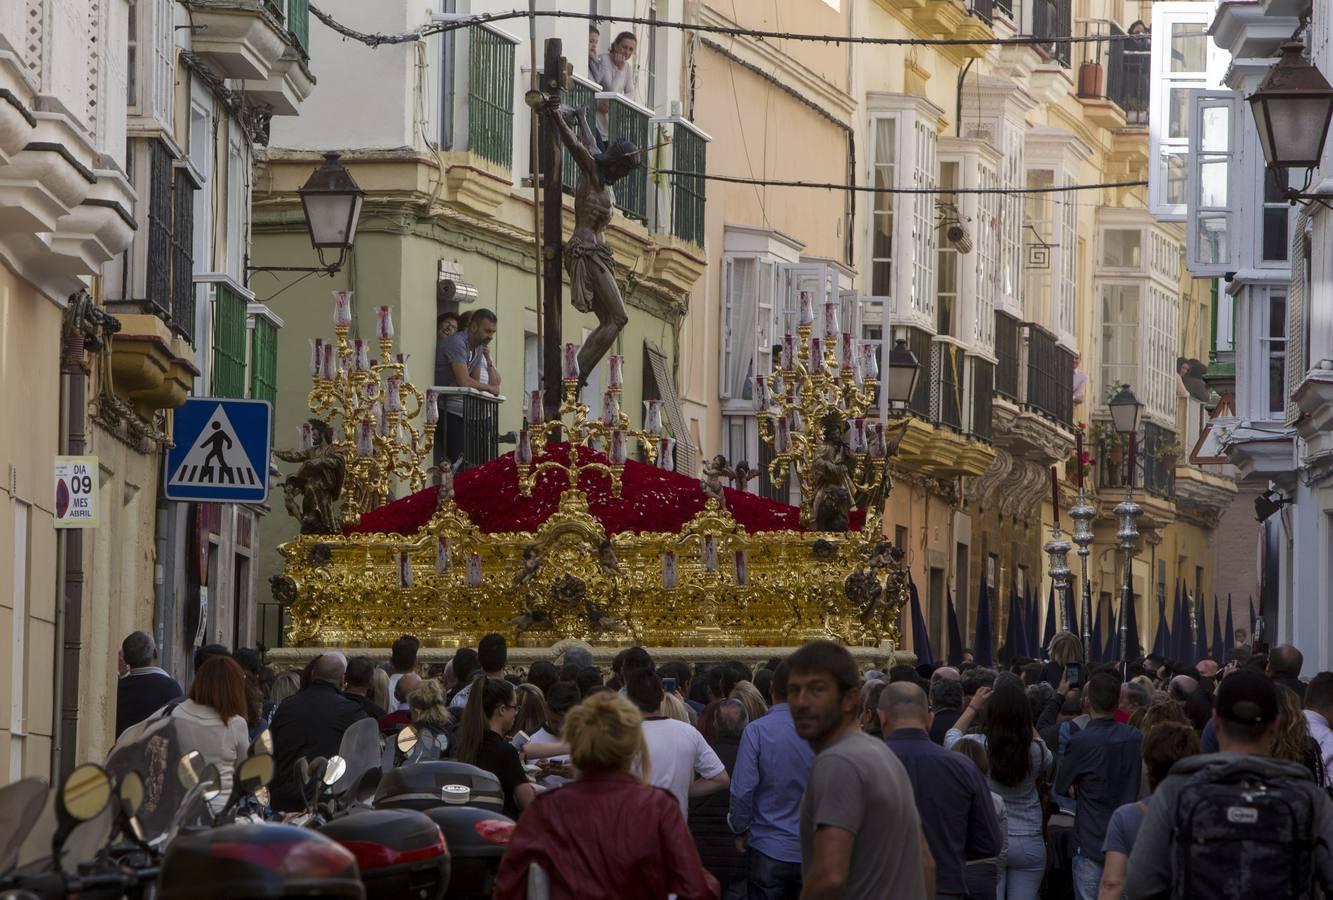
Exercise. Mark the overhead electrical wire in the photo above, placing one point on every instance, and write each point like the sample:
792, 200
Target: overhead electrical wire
440, 27
870, 189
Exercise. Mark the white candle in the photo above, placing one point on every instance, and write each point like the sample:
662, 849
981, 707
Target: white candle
618, 453
377, 416
404, 569
669, 569
307, 436
610, 408
365, 433
326, 364
361, 359
762, 398
615, 378
710, 553
432, 407
523, 453
316, 351
807, 308
782, 437
795, 421
856, 438
442, 555
742, 569
816, 363
392, 398
848, 351
788, 352
666, 454
342, 309
571, 362
344, 362
474, 570
875, 444
869, 361
652, 416
384, 323
831, 328
536, 409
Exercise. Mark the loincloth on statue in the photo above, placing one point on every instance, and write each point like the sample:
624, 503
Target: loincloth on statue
584, 260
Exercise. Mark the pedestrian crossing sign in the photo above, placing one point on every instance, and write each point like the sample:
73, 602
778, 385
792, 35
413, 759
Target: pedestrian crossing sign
221, 451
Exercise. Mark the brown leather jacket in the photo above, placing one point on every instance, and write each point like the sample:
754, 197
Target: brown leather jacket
607, 835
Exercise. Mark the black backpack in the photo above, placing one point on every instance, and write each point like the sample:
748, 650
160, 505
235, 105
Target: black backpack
1239, 834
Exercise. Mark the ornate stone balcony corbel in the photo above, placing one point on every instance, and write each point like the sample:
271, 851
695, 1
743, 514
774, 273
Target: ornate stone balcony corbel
238, 38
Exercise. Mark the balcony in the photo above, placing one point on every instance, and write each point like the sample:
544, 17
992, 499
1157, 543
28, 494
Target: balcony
478, 116
1050, 377
1128, 65
981, 423
628, 121
151, 369
247, 39
689, 148
946, 384
1009, 353
1053, 19
1156, 456
1032, 402
481, 425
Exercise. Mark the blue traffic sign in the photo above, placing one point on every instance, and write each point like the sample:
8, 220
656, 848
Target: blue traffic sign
222, 451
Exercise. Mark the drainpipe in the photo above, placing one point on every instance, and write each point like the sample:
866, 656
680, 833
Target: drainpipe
69, 552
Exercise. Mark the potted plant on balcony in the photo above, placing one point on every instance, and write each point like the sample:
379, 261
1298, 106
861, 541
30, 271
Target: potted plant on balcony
1090, 80
1169, 454
1109, 442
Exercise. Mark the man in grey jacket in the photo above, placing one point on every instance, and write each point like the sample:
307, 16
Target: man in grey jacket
1246, 720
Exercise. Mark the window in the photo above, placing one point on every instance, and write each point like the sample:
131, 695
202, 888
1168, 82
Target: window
1276, 212
229, 334
532, 353
159, 229
182, 246
902, 240
1120, 334
164, 58
1159, 373
1214, 123
1183, 58
1122, 248
1065, 287
201, 157
947, 270
986, 236
490, 94
132, 55
688, 150
1039, 227
1272, 361
263, 355
1011, 221
1051, 220
882, 230
1008, 355
747, 322
238, 202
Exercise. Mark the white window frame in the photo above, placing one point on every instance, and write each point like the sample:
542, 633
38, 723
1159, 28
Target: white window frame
746, 332
1144, 249
946, 255
238, 201
1261, 301
1196, 16
911, 280
980, 275
201, 155
1223, 153
1158, 358
1138, 327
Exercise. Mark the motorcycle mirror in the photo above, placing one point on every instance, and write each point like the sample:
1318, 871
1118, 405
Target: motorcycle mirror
263, 743
130, 792
85, 793
336, 767
255, 773
190, 769
407, 739
211, 780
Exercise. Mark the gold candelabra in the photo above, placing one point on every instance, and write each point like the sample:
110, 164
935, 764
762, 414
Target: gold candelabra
612, 428
817, 379
370, 403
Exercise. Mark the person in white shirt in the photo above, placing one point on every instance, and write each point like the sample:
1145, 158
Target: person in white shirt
677, 752
614, 73
212, 719
1318, 715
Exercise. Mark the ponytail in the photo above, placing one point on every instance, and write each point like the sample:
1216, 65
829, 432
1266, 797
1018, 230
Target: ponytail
484, 697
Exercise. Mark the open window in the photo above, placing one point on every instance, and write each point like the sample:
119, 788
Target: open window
1215, 122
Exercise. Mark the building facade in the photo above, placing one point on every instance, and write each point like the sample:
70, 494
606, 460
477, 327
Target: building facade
125, 178
1268, 259
441, 143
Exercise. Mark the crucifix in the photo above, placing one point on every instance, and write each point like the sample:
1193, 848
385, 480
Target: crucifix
588, 257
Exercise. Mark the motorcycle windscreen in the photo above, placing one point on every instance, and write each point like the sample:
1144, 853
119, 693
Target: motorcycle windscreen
360, 749
20, 807
153, 753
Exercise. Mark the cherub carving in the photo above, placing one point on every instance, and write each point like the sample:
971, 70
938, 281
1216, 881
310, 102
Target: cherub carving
715, 470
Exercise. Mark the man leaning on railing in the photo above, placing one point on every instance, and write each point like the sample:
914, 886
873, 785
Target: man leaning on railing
458, 360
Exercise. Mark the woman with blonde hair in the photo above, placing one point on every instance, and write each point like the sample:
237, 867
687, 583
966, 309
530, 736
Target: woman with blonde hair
640, 847
1066, 648
532, 713
379, 688
675, 708
429, 709
750, 698
1294, 742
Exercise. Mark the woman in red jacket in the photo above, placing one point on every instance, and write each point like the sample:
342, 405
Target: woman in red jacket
606, 834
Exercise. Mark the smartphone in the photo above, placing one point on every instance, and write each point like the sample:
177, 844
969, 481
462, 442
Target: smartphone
519, 740
669, 685
1074, 675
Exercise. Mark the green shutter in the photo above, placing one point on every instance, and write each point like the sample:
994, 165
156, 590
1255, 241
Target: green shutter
687, 190
625, 123
490, 96
298, 22
264, 361
229, 335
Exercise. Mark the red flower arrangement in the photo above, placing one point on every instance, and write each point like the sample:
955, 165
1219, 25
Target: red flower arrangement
651, 499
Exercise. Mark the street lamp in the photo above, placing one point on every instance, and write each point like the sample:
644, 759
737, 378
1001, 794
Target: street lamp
1292, 109
331, 200
1125, 412
904, 369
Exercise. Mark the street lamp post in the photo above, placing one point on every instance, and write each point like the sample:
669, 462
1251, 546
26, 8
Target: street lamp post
331, 200
1292, 109
1125, 413
904, 370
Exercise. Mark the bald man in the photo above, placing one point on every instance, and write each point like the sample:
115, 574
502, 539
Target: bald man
310, 723
952, 796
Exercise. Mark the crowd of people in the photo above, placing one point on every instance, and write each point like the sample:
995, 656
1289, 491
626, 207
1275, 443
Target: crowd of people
808, 777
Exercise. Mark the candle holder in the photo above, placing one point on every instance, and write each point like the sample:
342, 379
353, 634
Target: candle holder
1128, 512
811, 388
1083, 513
1057, 548
375, 404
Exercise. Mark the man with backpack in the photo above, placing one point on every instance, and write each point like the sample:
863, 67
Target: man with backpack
1236, 822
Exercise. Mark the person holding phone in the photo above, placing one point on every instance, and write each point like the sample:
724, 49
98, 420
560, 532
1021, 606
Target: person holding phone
487, 718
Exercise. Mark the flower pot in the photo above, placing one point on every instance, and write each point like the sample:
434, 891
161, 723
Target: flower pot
1090, 80
1115, 455
1169, 461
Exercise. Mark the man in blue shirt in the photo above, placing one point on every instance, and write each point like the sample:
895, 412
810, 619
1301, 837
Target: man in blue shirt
766, 789
1104, 769
952, 797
